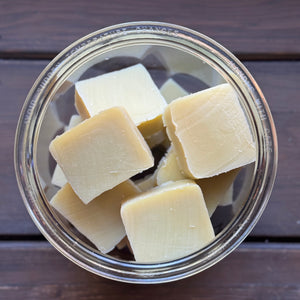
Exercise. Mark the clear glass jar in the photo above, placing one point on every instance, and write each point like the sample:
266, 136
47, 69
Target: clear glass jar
166, 50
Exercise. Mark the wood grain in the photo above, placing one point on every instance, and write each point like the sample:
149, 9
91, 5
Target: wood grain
37, 271
258, 31
16, 79
259, 28
279, 82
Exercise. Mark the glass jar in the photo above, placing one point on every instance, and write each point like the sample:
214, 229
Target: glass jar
167, 51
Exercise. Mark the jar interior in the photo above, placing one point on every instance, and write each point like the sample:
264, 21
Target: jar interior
193, 73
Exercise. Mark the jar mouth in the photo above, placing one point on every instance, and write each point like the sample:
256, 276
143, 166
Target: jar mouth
104, 41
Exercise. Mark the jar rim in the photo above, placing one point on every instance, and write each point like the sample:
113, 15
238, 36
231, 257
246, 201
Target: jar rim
26, 142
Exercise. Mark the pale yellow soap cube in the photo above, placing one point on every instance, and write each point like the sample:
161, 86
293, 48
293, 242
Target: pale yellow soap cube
227, 198
166, 143
74, 121
131, 88
101, 152
215, 188
209, 132
167, 222
58, 178
122, 244
100, 220
172, 90
157, 138
147, 183
168, 168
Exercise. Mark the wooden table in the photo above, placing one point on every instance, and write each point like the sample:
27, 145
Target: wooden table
265, 35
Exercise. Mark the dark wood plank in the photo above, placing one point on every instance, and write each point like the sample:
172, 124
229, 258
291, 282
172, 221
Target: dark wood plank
245, 27
16, 78
38, 271
279, 82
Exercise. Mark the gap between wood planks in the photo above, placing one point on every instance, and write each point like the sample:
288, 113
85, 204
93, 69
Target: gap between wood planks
15, 55
248, 240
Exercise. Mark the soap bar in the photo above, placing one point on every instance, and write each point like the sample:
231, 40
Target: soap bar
227, 198
172, 90
101, 152
74, 121
168, 169
147, 183
209, 132
157, 138
100, 220
166, 143
215, 188
167, 222
58, 178
131, 88
124, 243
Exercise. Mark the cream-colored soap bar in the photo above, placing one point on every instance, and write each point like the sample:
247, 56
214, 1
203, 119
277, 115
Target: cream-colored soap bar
124, 243
214, 189
209, 132
100, 220
172, 90
168, 169
157, 138
74, 121
166, 143
132, 88
147, 183
101, 152
168, 222
58, 178
228, 197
